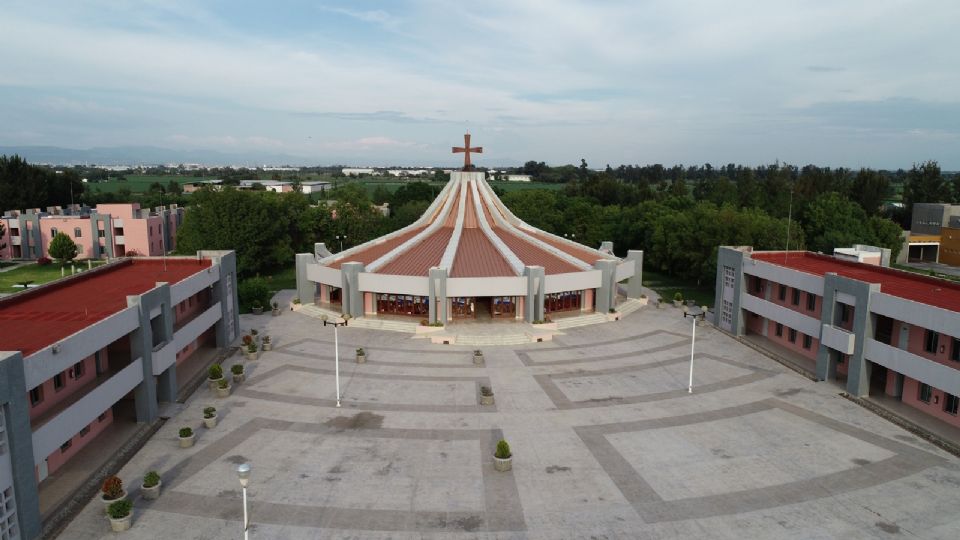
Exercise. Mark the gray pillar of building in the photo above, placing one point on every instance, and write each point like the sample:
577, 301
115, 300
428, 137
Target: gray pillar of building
533, 305
606, 295
437, 289
729, 294
151, 335
352, 297
606, 246
320, 251
635, 283
19, 435
306, 289
859, 368
225, 291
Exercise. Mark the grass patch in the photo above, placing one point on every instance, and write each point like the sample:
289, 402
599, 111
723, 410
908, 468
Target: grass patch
929, 273
667, 285
36, 275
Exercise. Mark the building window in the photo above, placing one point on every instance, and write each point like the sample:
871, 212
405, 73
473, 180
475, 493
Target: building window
102, 417
950, 404
779, 330
807, 341
955, 353
925, 392
58, 381
66, 446
792, 336
36, 396
84, 431
841, 359
79, 369
930, 339
782, 294
101, 233
796, 297
53, 232
77, 233
757, 284
844, 313
811, 301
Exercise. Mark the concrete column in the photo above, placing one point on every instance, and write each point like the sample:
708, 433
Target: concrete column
225, 292
352, 297
19, 434
533, 304
141, 346
167, 385
826, 361
438, 295
607, 292
95, 235
634, 284
320, 251
306, 289
728, 257
858, 375
606, 246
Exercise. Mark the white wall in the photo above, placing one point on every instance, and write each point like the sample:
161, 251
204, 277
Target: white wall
792, 278
782, 315
837, 338
324, 274
186, 288
915, 313
385, 283
574, 281
487, 286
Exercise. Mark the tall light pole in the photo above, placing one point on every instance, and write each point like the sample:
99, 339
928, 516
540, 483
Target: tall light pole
341, 238
243, 472
693, 340
336, 353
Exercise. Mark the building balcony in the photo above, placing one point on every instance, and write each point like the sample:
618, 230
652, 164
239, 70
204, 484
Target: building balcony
837, 339
927, 371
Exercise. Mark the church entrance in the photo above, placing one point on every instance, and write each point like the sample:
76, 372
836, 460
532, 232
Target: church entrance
483, 309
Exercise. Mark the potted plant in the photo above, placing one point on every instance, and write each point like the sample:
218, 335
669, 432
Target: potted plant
121, 515
210, 417
478, 357
276, 309
503, 458
237, 371
223, 390
186, 437
486, 395
256, 335
257, 308
677, 299
214, 376
361, 356
251, 351
266, 344
112, 491
151, 486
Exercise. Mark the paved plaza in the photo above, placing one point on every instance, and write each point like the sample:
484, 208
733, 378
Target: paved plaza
607, 444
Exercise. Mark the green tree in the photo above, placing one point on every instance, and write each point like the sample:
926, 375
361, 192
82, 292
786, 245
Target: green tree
925, 184
869, 189
63, 248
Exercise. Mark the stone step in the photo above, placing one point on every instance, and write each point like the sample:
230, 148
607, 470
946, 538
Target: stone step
493, 340
583, 320
629, 306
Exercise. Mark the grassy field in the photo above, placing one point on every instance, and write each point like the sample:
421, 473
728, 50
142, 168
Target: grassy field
36, 274
925, 272
666, 286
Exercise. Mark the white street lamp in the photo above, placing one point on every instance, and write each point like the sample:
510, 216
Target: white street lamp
243, 472
341, 238
693, 339
336, 353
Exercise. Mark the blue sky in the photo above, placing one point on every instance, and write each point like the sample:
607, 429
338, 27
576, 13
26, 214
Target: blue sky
841, 83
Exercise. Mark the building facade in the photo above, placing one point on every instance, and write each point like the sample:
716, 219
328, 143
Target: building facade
881, 332
109, 230
87, 352
468, 256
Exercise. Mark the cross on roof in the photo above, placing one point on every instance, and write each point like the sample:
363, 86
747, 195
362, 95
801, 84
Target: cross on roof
465, 150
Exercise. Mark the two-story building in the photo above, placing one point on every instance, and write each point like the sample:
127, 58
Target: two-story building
85, 353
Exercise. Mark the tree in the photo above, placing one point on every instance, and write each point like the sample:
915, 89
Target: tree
925, 184
63, 248
833, 221
869, 189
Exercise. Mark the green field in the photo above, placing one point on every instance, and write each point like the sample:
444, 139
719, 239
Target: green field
35, 274
666, 286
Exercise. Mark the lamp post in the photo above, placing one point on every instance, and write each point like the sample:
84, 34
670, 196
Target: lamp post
336, 352
341, 238
693, 340
243, 472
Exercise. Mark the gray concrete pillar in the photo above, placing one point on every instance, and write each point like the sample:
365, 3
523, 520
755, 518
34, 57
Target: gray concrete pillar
635, 283
438, 295
320, 251
225, 292
533, 305
607, 292
152, 335
826, 361
606, 246
352, 297
730, 290
306, 289
19, 435
167, 385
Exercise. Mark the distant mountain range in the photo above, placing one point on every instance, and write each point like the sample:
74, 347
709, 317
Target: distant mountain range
147, 155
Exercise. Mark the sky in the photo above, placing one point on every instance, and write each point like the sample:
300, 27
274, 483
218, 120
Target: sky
871, 83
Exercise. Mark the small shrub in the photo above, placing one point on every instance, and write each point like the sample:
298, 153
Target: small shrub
360, 351
276, 305
643, 297
254, 292
678, 296
438, 323
216, 371
254, 332
296, 300
486, 391
151, 479
247, 339
612, 310
424, 322
503, 450
223, 383
112, 487
266, 339
186, 432
43, 261
251, 347
256, 305
209, 412
477, 352
236, 369
120, 509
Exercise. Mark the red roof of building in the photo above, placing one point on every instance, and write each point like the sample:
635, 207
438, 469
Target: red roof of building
36, 319
926, 290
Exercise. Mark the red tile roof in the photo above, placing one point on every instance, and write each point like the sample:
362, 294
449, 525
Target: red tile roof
45, 315
926, 290
374, 252
478, 257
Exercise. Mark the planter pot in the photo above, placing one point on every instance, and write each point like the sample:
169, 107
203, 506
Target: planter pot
237, 379
361, 358
478, 359
257, 310
224, 392
486, 400
276, 312
187, 442
250, 355
266, 346
122, 524
677, 303
210, 422
503, 465
213, 383
108, 502
151, 493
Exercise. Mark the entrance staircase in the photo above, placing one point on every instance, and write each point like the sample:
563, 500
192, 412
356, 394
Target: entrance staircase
313, 310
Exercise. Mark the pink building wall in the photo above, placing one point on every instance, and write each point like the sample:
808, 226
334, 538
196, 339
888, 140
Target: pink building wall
68, 226
52, 397
78, 442
911, 396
